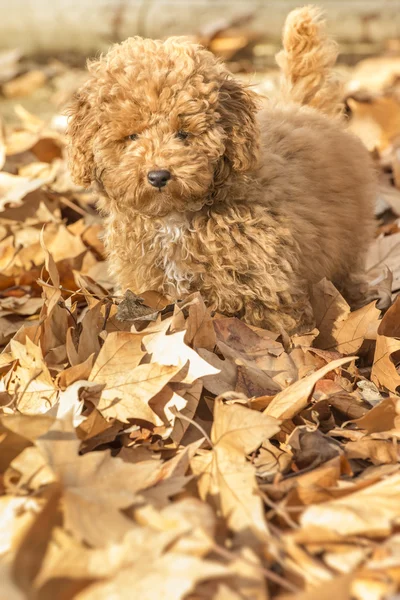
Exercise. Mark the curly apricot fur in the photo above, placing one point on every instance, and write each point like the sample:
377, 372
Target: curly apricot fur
261, 203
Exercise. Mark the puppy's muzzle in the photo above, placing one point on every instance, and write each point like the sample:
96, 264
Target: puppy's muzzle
159, 179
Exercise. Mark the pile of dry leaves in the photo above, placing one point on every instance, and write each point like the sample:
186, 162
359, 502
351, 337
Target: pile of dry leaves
156, 451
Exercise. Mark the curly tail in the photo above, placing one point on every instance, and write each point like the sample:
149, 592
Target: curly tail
306, 61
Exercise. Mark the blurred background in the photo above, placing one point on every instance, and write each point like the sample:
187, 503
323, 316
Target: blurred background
40, 26
44, 44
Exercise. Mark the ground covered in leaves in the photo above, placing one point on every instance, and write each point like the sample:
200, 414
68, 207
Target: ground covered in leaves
150, 450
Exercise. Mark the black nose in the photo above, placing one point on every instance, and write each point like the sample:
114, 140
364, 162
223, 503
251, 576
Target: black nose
159, 178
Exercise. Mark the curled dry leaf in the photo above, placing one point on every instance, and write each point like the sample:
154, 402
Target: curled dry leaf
31, 383
290, 401
382, 417
379, 452
373, 512
132, 308
384, 372
340, 329
383, 254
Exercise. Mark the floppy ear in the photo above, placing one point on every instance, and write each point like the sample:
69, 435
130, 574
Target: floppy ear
238, 108
82, 126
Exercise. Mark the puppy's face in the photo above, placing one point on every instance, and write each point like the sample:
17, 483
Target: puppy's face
158, 125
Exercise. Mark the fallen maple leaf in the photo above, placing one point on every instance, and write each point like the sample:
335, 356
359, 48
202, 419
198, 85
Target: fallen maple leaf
95, 486
31, 382
126, 395
290, 401
172, 350
224, 475
121, 352
340, 329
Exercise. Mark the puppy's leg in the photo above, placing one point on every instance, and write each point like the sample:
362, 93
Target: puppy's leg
355, 290
352, 282
293, 315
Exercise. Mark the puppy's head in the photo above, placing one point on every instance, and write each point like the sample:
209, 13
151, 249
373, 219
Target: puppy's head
158, 125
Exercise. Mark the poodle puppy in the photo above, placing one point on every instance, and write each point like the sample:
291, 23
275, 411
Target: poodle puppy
206, 186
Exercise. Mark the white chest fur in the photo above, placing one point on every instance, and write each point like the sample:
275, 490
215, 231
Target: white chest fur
173, 259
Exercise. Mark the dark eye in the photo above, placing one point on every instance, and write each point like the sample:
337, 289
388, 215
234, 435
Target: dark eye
133, 136
182, 135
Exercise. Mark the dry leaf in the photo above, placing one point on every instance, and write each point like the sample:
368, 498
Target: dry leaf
171, 350
290, 401
224, 475
372, 511
172, 575
384, 253
339, 329
95, 486
24, 84
126, 394
384, 373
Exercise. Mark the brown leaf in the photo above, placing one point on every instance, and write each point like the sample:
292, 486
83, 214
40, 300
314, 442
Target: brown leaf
372, 511
379, 452
225, 380
17, 516
329, 308
78, 372
240, 337
390, 324
31, 381
126, 394
132, 308
192, 399
24, 84
225, 476
339, 587
31, 552
173, 575
199, 325
384, 253
290, 401
121, 352
96, 486
382, 417
384, 373
339, 329
9, 589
